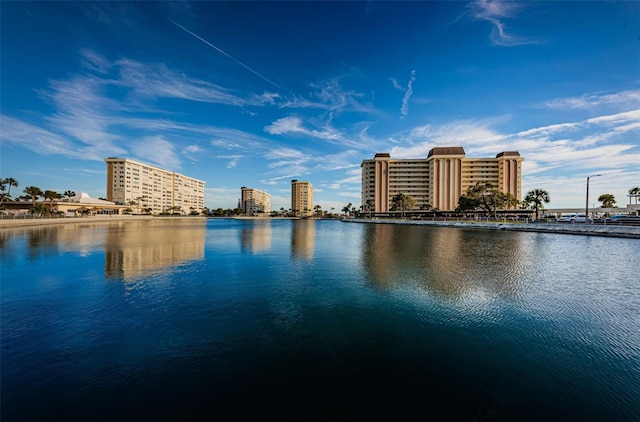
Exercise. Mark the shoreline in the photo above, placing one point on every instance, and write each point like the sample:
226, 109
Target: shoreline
630, 232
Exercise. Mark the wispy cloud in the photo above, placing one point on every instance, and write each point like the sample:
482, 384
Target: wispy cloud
45, 142
158, 81
293, 125
495, 12
407, 95
629, 98
395, 84
329, 95
156, 149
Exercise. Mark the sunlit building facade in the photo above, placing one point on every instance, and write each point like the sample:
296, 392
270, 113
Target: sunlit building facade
255, 202
437, 181
301, 198
142, 186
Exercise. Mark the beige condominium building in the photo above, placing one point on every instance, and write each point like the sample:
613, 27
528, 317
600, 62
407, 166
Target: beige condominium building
439, 180
255, 202
142, 186
301, 198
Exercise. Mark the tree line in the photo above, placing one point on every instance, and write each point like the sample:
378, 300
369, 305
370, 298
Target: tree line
32, 194
485, 197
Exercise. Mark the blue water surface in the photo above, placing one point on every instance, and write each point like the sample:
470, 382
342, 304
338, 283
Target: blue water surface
229, 319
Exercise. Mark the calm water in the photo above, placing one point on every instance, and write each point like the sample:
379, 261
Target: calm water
304, 320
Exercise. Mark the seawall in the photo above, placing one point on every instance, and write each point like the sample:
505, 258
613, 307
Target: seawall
575, 229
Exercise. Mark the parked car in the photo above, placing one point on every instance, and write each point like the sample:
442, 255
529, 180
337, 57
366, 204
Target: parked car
573, 218
622, 219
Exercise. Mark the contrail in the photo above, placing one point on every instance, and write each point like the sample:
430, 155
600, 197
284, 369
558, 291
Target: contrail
223, 52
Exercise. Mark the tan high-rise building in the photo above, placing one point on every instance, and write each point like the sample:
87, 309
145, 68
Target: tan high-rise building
301, 198
255, 202
439, 180
143, 186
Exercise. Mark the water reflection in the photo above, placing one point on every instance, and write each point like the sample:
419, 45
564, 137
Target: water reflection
255, 236
302, 239
438, 260
133, 250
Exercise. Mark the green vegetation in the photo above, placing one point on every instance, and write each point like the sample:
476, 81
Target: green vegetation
483, 196
402, 203
635, 191
535, 198
607, 200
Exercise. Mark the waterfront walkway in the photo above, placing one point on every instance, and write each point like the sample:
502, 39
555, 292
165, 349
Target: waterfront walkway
579, 229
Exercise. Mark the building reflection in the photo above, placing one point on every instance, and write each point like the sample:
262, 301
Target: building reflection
256, 236
303, 238
444, 261
135, 250
131, 248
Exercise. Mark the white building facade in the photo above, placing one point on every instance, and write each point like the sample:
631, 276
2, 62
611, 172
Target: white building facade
144, 187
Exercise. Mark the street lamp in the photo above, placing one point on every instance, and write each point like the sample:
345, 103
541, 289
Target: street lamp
586, 211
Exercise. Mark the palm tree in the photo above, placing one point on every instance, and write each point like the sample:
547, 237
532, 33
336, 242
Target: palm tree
634, 191
347, 208
537, 197
33, 192
9, 181
51, 196
69, 193
608, 200
368, 205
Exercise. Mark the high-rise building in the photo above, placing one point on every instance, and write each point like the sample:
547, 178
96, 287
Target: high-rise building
255, 202
301, 198
143, 186
439, 180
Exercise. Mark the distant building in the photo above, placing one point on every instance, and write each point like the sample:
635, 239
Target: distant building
255, 202
439, 180
301, 198
142, 186
81, 204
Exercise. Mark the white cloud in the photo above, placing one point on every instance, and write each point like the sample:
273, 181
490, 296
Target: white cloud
629, 98
292, 125
495, 11
45, 142
158, 81
329, 95
94, 61
395, 84
289, 124
156, 149
221, 197
407, 95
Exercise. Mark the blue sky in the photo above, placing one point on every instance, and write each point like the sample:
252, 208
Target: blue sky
258, 93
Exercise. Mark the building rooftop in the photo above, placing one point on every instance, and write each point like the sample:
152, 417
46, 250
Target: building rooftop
446, 151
